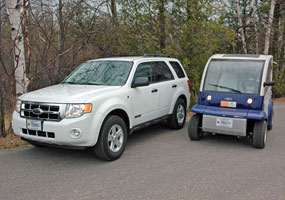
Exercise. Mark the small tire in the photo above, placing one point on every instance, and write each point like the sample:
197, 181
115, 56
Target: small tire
194, 127
112, 139
178, 116
270, 126
259, 134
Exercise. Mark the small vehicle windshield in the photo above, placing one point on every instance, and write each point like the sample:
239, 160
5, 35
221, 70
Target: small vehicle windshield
106, 72
234, 76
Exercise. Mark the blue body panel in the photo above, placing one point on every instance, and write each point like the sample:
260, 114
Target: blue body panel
270, 109
243, 109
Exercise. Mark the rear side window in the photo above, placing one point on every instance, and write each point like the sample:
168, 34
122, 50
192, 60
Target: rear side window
161, 72
177, 68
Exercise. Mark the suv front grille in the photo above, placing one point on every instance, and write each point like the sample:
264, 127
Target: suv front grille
49, 112
38, 133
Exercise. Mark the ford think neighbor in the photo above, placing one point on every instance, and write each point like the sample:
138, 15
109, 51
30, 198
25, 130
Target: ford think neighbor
103, 101
235, 98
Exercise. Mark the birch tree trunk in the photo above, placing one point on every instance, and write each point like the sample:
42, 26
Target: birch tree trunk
14, 12
241, 30
61, 39
255, 20
269, 27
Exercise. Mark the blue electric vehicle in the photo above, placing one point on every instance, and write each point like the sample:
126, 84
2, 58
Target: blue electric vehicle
235, 98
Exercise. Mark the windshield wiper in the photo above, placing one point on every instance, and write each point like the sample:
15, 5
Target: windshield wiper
221, 86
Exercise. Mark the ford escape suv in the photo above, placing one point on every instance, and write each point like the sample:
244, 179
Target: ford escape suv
103, 101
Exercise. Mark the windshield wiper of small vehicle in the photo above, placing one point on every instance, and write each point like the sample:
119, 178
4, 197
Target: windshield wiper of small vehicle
221, 86
69, 83
74, 83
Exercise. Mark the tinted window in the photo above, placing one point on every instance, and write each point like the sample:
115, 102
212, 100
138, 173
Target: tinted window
178, 70
161, 72
144, 70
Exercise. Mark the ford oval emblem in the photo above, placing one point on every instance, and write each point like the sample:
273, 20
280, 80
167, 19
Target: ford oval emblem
37, 111
228, 99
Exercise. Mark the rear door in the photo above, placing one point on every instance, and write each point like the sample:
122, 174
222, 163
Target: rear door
145, 100
165, 83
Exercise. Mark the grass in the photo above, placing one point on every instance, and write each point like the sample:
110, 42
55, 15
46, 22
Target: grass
13, 141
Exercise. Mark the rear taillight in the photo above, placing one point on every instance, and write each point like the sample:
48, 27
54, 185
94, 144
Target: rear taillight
189, 86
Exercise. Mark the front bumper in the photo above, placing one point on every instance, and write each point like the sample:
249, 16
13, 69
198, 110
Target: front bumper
61, 130
224, 125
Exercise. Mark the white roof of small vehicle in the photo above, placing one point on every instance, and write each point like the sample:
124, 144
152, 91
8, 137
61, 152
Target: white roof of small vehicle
242, 56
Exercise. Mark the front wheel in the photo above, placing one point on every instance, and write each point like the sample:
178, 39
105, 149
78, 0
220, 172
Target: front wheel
112, 140
194, 127
259, 134
178, 117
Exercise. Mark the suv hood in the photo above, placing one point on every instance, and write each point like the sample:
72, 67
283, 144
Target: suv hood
64, 93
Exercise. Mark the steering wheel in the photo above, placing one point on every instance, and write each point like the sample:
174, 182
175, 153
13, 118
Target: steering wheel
250, 86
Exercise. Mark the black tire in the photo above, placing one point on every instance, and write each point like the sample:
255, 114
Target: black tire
194, 127
270, 126
102, 149
259, 134
174, 122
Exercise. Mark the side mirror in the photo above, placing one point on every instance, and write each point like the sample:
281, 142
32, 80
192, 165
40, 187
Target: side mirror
140, 81
270, 83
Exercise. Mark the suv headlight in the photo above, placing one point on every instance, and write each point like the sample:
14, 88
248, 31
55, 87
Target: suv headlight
18, 106
77, 110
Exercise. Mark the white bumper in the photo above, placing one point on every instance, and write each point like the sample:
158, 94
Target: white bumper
89, 124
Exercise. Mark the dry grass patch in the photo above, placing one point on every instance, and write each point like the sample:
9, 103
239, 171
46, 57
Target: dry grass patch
11, 141
279, 100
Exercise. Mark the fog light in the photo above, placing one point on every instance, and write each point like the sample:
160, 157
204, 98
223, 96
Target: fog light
209, 97
249, 100
75, 133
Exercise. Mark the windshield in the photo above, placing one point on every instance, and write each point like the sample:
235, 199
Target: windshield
107, 72
234, 76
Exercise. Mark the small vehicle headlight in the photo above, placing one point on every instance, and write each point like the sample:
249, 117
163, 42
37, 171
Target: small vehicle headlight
249, 100
77, 110
209, 97
18, 106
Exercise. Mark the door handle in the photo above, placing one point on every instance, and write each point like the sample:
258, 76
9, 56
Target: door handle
154, 90
174, 86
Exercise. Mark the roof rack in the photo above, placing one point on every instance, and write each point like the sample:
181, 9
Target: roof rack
156, 55
242, 55
120, 55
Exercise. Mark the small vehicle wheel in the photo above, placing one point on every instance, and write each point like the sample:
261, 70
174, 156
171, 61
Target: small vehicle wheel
270, 126
178, 116
112, 140
259, 134
194, 130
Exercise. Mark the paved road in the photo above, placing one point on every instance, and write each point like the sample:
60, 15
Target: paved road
157, 164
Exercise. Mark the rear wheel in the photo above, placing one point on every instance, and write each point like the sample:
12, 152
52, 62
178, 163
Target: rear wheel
178, 116
112, 140
194, 127
259, 134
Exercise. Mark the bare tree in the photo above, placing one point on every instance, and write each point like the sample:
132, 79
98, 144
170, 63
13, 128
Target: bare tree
255, 20
162, 19
114, 11
14, 12
61, 38
241, 30
269, 27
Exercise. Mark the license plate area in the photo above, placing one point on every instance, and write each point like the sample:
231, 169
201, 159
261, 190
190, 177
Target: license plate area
224, 122
35, 125
229, 104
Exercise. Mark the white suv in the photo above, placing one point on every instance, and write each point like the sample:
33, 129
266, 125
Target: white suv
103, 101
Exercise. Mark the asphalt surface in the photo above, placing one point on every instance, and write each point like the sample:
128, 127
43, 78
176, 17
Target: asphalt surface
158, 163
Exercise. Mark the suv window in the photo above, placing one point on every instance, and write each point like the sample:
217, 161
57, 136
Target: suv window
161, 72
177, 68
144, 70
